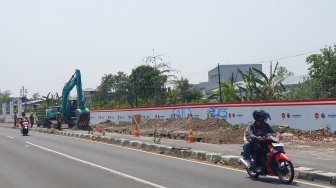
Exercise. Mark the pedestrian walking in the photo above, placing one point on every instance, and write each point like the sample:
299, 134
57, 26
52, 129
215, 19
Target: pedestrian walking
15, 119
31, 119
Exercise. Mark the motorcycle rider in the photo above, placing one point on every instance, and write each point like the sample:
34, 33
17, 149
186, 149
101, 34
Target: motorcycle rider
23, 118
253, 135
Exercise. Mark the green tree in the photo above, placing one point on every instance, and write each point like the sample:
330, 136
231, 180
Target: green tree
148, 84
249, 91
195, 95
47, 100
271, 87
183, 87
36, 96
5, 97
172, 95
322, 72
113, 91
229, 91
283, 72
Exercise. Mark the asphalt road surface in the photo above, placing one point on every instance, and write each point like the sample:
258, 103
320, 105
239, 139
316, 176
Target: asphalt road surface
44, 160
322, 159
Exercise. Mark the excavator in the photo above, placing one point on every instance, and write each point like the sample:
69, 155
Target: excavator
72, 110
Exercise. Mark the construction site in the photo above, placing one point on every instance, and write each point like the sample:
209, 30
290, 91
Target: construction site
214, 131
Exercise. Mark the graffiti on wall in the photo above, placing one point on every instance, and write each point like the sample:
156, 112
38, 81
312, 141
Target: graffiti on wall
217, 113
181, 112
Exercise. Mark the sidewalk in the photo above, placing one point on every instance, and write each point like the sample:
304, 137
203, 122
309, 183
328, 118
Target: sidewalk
227, 153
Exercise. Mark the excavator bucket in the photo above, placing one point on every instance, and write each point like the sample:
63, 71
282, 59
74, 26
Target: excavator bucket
83, 118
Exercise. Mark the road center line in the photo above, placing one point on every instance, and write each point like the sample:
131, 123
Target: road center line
98, 166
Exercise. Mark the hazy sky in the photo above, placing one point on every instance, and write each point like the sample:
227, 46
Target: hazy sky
42, 42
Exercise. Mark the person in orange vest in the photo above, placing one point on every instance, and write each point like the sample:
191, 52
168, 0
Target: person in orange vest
31, 119
59, 121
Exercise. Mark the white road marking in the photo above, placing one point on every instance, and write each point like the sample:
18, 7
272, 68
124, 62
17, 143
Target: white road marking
217, 166
98, 166
10, 137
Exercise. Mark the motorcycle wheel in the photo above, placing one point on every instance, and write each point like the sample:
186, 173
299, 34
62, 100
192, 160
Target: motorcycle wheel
285, 171
251, 171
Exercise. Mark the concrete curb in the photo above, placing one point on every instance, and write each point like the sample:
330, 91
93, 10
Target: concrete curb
305, 173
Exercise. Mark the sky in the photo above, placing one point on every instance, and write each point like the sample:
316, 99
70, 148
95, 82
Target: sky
42, 42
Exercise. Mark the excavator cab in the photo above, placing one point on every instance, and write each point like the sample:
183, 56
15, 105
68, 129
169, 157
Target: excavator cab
77, 116
72, 109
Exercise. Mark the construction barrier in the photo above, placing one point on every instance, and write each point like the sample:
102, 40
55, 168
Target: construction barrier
136, 119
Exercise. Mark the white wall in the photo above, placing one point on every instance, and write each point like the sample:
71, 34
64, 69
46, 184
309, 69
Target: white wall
303, 114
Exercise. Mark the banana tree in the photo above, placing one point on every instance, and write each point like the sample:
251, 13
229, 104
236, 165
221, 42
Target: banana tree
271, 87
228, 91
251, 86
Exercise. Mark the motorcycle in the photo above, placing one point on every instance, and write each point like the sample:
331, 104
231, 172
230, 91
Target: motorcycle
274, 161
24, 128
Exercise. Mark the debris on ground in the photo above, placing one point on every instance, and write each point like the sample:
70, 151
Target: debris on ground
215, 131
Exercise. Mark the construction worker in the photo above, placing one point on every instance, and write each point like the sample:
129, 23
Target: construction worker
15, 119
31, 119
59, 121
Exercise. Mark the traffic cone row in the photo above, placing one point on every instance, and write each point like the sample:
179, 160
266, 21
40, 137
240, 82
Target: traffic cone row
191, 136
136, 130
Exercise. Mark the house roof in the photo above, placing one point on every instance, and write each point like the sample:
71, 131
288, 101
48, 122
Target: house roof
32, 102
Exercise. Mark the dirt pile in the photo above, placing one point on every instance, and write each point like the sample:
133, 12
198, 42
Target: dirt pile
215, 131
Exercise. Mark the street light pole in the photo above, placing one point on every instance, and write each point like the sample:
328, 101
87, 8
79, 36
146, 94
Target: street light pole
23, 91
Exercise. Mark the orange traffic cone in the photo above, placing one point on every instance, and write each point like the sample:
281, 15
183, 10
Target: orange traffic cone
100, 129
136, 130
191, 136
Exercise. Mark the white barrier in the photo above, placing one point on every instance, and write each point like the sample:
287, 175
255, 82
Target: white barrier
302, 114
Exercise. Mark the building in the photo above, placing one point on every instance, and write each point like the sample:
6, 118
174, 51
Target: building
88, 95
225, 72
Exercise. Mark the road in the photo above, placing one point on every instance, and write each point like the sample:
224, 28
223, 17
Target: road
44, 160
322, 159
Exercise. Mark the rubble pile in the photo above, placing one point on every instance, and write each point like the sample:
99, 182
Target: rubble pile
215, 131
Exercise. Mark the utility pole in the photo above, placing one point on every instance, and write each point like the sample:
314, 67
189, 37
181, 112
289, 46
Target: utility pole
219, 86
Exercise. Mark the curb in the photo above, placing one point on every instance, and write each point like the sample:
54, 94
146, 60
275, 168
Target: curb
304, 173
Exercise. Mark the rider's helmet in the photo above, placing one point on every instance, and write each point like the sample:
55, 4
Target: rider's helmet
58, 112
259, 115
23, 114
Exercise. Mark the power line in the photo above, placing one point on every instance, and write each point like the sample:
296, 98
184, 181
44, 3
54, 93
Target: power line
265, 61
